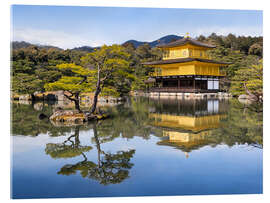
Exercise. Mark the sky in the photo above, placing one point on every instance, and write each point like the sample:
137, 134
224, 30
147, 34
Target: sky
69, 26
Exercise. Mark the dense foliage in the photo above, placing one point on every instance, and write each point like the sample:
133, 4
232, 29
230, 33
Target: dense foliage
35, 66
243, 53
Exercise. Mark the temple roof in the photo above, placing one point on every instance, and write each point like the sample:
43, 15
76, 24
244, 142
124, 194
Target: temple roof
183, 60
185, 41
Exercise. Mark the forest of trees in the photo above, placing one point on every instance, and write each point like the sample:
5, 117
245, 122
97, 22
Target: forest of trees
116, 70
245, 74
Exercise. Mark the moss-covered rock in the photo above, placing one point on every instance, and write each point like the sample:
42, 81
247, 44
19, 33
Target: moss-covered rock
74, 117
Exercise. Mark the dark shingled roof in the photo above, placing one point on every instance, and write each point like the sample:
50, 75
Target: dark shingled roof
185, 41
183, 60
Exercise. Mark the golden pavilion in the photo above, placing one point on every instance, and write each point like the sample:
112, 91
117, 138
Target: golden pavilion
186, 68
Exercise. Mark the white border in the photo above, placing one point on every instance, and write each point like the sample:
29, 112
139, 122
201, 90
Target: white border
210, 4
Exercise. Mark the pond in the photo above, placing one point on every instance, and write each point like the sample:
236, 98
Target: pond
149, 147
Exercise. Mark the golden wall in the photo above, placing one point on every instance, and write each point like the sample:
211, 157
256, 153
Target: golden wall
186, 122
207, 70
188, 69
185, 52
185, 137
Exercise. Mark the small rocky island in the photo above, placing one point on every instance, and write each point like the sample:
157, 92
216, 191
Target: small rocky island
71, 117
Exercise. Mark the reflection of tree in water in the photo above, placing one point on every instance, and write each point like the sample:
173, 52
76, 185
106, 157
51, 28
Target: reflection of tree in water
128, 121
69, 148
242, 125
110, 168
26, 121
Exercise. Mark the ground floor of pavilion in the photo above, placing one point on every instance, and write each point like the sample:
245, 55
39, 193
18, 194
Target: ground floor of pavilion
186, 84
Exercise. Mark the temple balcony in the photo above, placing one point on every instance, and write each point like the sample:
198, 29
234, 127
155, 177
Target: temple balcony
211, 71
183, 90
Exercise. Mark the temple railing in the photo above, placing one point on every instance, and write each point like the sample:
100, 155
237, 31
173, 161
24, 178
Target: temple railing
182, 90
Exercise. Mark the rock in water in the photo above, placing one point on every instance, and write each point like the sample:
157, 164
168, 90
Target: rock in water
243, 96
68, 116
73, 117
42, 116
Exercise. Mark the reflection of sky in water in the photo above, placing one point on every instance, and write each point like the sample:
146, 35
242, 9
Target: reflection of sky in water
157, 169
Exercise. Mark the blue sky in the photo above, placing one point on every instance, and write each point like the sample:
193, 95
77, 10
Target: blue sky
69, 27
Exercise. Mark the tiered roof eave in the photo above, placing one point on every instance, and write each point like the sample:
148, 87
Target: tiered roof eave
184, 41
185, 60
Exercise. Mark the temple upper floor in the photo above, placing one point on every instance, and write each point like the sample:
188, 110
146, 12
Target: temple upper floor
184, 52
185, 48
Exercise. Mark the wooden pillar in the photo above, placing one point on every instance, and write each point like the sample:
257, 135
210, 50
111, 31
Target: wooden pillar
178, 83
193, 83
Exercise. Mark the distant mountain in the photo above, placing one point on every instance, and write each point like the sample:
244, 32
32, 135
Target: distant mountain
23, 44
84, 48
134, 42
162, 40
18, 45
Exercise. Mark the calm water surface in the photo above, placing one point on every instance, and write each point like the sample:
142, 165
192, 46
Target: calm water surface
149, 147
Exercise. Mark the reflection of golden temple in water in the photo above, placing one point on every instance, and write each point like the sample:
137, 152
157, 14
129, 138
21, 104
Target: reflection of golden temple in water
186, 122
188, 125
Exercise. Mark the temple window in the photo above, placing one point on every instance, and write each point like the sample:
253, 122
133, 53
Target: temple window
166, 53
184, 53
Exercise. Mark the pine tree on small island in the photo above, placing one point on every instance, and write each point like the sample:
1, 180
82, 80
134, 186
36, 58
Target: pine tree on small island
74, 84
105, 71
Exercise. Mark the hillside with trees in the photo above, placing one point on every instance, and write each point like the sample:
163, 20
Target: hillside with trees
245, 73
38, 68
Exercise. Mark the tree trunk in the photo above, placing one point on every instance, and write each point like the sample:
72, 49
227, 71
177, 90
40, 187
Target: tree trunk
77, 134
94, 105
97, 142
98, 90
77, 102
251, 95
33, 98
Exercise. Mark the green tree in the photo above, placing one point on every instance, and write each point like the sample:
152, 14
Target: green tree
256, 49
111, 73
249, 80
142, 54
201, 38
73, 85
26, 84
104, 71
230, 42
35, 66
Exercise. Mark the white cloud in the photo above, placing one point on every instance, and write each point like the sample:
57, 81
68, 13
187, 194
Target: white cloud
54, 38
